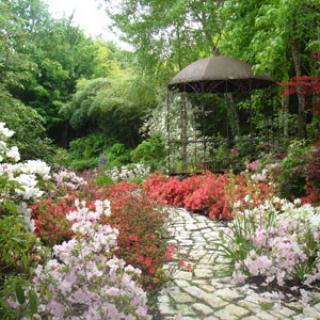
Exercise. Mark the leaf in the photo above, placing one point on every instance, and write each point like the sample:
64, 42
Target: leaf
20, 294
33, 302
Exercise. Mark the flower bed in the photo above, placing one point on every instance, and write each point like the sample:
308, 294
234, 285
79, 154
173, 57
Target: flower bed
138, 219
101, 259
212, 195
141, 239
277, 242
84, 279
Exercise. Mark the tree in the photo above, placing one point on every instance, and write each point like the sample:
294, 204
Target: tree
276, 36
42, 59
114, 105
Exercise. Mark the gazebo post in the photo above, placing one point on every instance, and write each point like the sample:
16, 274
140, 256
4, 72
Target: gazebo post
184, 132
169, 150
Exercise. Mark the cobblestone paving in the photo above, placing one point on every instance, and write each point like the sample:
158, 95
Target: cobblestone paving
204, 293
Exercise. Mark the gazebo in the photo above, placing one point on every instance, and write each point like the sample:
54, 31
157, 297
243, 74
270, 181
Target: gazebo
216, 74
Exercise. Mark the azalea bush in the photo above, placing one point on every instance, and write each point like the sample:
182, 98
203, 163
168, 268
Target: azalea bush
139, 220
50, 218
142, 237
276, 242
68, 180
209, 194
20, 184
84, 279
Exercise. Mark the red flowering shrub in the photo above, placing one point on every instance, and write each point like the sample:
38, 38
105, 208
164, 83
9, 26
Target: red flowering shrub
210, 198
92, 191
50, 219
140, 242
213, 195
152, 186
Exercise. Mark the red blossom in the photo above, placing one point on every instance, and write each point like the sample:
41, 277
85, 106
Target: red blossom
206, 193
152, 270
133, 238
148, 261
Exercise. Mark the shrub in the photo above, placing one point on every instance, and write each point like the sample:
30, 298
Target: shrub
141, 238
291, 180
30, 133
88, 147
84, 279
213, 195
129, 172
68, 180
150, 152
117, 155
51, 224
276, 242
18, 248
313, 176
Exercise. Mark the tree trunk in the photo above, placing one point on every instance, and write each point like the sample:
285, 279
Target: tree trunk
301, 98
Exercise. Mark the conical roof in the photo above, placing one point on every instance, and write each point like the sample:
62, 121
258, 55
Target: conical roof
219, 74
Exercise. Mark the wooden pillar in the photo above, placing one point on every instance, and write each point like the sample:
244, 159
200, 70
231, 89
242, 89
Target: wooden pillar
184, 132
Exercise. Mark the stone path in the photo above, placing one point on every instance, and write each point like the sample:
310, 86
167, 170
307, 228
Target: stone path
204, 293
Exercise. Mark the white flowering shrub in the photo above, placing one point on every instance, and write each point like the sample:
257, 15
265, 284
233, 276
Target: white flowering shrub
84, 280
278, 241
129, 172
27, 176
68, 179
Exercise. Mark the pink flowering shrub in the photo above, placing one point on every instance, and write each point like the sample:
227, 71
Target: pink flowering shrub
84, 280
68, 180
277, 242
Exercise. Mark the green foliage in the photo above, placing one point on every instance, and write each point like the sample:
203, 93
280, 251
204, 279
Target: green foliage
7, 188
222, 158
15, 289
150, 152
117, 155
30, 134
89, 146
60, 157
103, 180
84, 164
41, 58
114, 106
293, 174
16, 247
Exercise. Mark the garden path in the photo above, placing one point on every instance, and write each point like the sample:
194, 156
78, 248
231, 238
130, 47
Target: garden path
204, 293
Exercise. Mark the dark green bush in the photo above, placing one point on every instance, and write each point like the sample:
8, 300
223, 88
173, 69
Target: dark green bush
150, 152
89, 147
30, 134
116, 156
292, 178
84, 164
